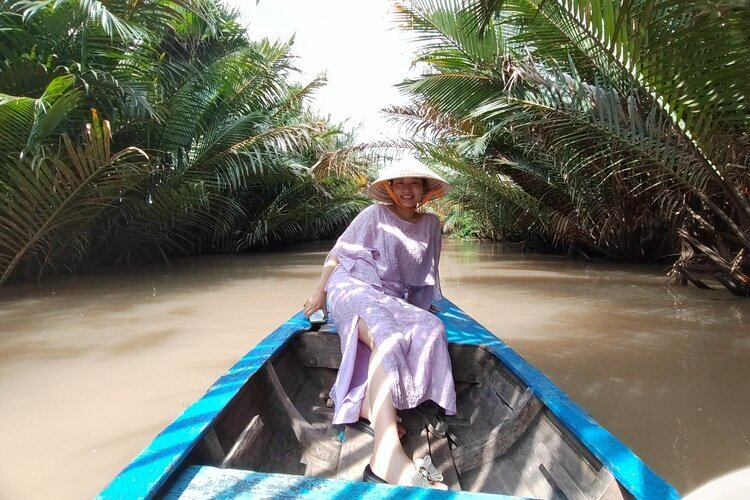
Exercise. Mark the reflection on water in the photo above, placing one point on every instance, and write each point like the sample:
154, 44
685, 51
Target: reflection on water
92, 368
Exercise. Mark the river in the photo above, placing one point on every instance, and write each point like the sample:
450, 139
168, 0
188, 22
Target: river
93, 367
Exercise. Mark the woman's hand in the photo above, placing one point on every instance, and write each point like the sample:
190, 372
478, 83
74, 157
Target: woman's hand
316, 301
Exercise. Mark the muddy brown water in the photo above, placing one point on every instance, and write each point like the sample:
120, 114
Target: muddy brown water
93, 367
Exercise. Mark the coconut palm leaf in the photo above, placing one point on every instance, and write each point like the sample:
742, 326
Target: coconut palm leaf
447, 38
225, 134
611, 117
283, 218
127, 20
648, 41
50, 202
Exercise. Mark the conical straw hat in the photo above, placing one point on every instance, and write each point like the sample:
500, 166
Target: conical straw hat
436, 186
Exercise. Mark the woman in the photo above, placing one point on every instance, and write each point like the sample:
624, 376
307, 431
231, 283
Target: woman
379, 281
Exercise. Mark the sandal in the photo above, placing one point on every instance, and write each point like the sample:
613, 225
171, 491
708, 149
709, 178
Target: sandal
369, 476
425, 473
364, 425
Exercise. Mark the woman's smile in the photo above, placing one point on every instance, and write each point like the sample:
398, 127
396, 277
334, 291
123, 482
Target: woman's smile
409, 190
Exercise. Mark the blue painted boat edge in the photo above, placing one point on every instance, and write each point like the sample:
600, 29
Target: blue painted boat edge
151, 468
156, 464
625, 466
211, 482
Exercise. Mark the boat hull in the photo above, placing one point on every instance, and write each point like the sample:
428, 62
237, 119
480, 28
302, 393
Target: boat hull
266, 422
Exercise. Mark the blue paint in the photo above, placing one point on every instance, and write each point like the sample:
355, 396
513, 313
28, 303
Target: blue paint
223, 484
154, 465
149, 471
624, 465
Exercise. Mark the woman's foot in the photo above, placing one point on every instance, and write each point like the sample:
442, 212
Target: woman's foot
411, 475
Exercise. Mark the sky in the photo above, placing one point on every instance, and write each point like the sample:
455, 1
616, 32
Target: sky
358, 45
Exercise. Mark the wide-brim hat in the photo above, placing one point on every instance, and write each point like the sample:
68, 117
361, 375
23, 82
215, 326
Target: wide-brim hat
436, 186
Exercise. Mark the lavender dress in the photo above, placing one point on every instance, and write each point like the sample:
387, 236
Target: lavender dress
388, 276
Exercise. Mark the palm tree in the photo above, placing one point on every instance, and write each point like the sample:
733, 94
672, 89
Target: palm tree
212, 136
51, 202
594, 122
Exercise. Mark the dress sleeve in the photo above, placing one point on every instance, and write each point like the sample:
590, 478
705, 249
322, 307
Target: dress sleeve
356, 249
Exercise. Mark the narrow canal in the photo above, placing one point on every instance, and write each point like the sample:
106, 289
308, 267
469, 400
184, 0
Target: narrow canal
91, 368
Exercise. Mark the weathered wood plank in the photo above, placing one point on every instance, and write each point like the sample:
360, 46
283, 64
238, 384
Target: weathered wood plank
310, 439
213, 447
470, 363
534, 476
318, 468
308, 400
443, 460
288, 372
244, 443
533, 482
501, 477
355, 454
501, 438
490, 410
562, 479
604, 487
315, 349
566, 450
504, 388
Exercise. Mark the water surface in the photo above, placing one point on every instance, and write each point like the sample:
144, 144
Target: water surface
91, 368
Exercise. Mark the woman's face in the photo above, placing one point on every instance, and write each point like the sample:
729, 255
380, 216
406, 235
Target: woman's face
408, 190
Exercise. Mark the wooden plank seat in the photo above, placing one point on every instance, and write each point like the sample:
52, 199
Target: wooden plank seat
200, 482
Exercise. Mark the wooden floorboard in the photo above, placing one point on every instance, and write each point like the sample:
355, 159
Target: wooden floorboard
575, 465
505, 389
355, 454
562, 479
604, 487
533, 481
419, 446
311, 440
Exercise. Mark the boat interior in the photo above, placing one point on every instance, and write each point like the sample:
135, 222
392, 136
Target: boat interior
502, 440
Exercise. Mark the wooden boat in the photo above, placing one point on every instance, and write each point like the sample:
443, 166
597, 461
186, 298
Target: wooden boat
263, 429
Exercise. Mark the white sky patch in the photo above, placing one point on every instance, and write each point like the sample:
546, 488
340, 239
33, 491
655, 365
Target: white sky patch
358, 45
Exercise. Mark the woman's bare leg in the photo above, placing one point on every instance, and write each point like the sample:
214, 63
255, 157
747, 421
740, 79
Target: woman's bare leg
388, 458
364, 412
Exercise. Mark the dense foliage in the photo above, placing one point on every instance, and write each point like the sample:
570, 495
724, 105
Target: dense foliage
615, 129
137, 130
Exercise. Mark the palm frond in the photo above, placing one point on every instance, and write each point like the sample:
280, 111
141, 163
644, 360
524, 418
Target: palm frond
49, 202
26, 122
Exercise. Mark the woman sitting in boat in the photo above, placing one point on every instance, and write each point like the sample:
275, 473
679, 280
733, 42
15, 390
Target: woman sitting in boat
379, 281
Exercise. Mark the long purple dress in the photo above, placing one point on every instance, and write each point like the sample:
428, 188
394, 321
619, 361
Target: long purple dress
388, 276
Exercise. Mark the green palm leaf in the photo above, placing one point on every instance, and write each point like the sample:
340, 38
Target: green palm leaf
50, 202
